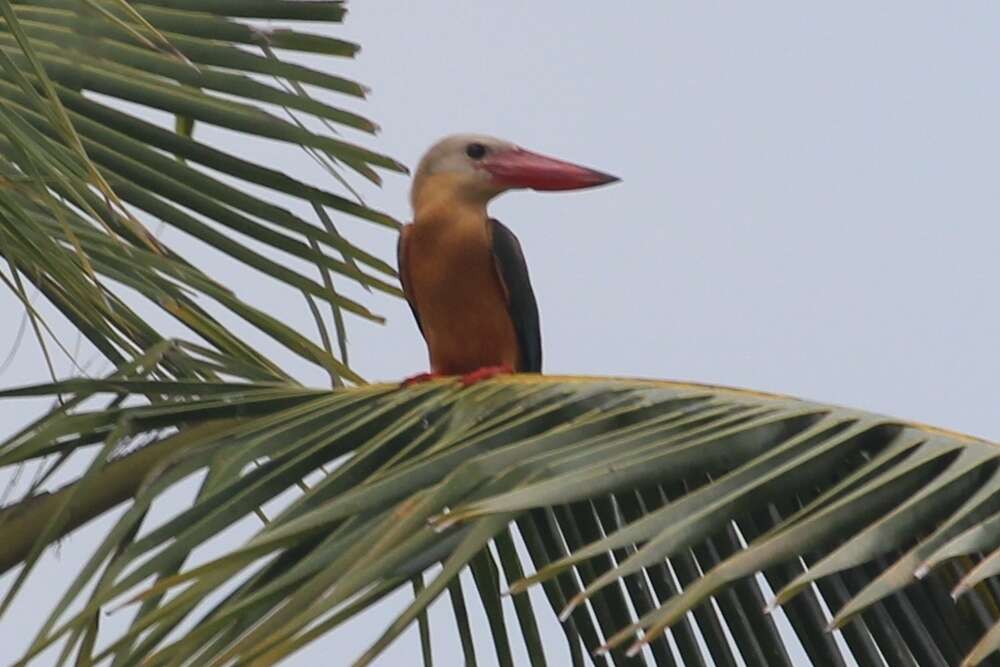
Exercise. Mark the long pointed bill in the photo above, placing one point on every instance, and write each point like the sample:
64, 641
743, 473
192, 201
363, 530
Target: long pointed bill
518, 168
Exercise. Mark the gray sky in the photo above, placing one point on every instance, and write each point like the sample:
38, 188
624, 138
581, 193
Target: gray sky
809, 202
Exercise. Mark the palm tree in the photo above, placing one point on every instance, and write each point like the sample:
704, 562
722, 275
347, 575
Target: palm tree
658, 519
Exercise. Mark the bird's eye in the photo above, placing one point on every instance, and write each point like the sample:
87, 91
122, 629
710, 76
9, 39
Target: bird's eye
475, 151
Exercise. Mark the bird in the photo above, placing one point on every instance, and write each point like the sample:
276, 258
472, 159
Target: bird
463, 272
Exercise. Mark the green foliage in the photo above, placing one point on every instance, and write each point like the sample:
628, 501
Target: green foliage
80, 177
611, 484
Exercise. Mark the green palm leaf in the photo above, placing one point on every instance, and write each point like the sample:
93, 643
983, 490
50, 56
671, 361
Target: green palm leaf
630, 502
83, 181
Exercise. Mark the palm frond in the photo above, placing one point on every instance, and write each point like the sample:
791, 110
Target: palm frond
83, 179
660, 519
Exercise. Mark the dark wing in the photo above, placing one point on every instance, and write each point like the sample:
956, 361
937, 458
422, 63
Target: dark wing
513, 272
403, 277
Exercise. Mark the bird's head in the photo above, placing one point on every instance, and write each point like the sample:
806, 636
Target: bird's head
475, 168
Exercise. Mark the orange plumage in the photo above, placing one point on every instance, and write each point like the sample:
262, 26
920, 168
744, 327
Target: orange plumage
453, 286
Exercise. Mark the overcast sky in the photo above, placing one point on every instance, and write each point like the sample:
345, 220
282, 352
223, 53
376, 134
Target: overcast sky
809, 201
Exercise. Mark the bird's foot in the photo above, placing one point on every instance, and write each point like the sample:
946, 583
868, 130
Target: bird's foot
485, 373
420, 378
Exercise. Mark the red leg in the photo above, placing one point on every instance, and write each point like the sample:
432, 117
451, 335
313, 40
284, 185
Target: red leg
485, 373
420, 378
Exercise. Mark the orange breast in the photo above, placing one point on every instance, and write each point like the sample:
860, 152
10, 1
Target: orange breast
458, 295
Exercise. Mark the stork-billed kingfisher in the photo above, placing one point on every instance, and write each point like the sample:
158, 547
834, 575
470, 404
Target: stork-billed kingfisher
463, 272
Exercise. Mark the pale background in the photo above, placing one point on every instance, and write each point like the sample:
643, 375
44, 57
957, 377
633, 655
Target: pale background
809, 206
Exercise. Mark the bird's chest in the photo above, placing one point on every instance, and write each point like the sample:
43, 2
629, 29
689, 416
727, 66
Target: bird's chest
450, 268
460, 300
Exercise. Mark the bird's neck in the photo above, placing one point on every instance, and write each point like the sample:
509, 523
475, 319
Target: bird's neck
441, 199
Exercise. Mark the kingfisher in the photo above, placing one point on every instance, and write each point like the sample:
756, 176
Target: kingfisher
463, 272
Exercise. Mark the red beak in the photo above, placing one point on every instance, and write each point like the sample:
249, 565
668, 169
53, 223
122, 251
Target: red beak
518, 168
